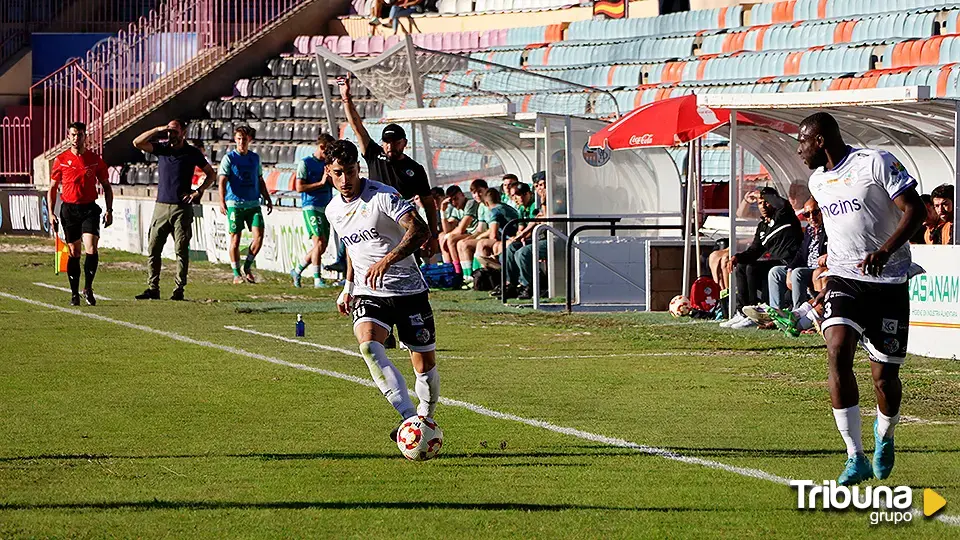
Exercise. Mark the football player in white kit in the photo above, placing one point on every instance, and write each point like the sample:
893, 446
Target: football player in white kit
870, 209
384, 286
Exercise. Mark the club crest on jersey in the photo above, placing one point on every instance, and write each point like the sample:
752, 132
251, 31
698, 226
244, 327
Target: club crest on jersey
409, 172
898, 170
364, 211
891, 345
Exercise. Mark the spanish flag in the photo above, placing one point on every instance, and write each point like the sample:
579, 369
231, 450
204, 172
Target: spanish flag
613, 9
61, 254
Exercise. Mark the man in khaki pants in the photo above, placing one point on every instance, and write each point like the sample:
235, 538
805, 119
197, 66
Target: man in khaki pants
175, 199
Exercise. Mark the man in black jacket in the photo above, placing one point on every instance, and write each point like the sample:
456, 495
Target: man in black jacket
798, 274
776, 242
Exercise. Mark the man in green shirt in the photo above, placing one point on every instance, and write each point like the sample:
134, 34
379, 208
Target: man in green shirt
459, 222
498, 216
466, 247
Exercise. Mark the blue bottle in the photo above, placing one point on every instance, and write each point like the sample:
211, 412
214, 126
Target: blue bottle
301, 328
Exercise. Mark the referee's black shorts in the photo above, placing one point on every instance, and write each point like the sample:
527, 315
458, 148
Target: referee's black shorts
79, 219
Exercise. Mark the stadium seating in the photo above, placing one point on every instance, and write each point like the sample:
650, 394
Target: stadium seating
601, 67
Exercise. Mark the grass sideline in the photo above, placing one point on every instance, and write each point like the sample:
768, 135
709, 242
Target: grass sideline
126, 433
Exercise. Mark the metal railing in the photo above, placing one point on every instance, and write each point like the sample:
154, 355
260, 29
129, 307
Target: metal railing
152, 60
14, 150
20, 18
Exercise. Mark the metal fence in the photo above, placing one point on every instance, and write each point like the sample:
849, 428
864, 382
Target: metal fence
151, 60
20, 18
15, 150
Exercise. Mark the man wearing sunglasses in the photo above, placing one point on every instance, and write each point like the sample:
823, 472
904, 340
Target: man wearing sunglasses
797, 275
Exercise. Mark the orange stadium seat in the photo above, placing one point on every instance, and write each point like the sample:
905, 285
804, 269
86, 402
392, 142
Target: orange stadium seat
916, 52
943, 79
930, 51
822, 9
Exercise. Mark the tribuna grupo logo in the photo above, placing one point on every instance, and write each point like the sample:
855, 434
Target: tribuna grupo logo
886, 504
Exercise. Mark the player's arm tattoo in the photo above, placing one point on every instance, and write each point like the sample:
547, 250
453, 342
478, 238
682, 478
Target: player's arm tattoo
416, 233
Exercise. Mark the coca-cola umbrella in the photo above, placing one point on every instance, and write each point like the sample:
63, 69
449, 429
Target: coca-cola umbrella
668, 122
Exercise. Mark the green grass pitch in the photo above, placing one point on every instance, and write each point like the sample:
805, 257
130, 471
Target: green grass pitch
172, 425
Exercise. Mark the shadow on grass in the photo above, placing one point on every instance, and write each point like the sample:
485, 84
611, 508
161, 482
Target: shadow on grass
340, 505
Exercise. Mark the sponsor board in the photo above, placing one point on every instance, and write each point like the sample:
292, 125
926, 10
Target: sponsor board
935, 302
24, 211
285, 240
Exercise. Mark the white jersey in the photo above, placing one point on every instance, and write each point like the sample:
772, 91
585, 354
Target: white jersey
368, 226
856, 201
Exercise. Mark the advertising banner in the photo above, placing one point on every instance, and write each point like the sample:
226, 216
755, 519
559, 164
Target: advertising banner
935, 302
24, 211
285, 240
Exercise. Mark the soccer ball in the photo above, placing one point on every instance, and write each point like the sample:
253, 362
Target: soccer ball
419, 438
679, 306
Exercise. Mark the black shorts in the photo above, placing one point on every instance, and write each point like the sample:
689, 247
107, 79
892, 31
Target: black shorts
880, 312
78, 220
412, 315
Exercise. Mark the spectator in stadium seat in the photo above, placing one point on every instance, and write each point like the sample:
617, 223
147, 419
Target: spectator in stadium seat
459, 222
776, 241
931, 222
510, 181
797, 275
466, 247
173, 212
405, 8
942, 199
498, 216
798, 194
519, 256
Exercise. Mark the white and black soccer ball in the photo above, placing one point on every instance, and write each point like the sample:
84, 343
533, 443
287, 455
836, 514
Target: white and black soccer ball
680, 306
419, 438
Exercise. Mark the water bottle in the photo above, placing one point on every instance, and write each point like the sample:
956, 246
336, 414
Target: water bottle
301, 327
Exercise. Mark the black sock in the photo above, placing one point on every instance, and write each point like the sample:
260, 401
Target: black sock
90, 269
73, 274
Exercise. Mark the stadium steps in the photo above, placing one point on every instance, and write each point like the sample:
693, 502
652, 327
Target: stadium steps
151, 107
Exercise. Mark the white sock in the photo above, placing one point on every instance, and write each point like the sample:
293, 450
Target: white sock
387, 377
885, 424
848, 422
806, 316
428, 391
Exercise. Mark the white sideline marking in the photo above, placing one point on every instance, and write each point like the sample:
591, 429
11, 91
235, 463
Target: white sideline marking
64, 289
297, 341
479, 409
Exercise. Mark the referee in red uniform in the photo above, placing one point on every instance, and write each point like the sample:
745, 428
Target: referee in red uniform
77, 172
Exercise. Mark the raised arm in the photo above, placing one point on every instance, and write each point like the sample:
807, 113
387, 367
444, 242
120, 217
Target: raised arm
142, 142
353, 117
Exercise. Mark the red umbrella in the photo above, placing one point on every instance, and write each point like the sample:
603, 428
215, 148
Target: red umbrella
668, 122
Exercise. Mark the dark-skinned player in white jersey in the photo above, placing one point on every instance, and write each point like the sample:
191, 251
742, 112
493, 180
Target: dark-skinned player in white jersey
870, 209
384, 286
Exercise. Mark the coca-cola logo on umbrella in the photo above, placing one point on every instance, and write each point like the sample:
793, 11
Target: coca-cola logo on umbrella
636, 140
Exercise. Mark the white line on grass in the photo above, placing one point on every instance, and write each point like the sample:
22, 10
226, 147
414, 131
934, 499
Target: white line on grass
479, 409
64, 289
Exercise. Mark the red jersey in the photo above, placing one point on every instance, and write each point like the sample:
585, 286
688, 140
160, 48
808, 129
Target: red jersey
79, 176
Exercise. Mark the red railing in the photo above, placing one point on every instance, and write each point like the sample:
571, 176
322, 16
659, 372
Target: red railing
15, 157
20, 18
154, 59
70, 94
